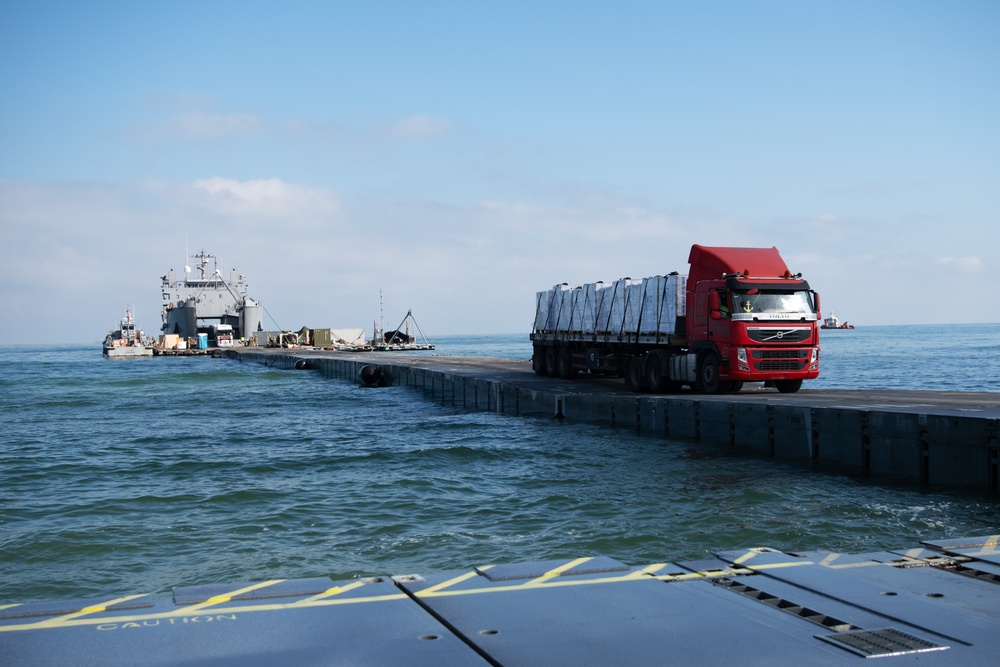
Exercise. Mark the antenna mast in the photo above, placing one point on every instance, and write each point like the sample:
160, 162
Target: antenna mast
381, 314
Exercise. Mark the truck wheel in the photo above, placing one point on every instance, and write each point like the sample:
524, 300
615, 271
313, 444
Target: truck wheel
788, 386
708, 373
550, 361
735, 386
634, 380
564, 364
538, 360
654, 373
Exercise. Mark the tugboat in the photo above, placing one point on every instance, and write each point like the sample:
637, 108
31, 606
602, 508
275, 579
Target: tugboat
127, 341
833, 322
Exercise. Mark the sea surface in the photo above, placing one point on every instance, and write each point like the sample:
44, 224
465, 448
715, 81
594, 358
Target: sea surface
133, 476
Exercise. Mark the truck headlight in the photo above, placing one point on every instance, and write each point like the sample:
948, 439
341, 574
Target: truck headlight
741, 359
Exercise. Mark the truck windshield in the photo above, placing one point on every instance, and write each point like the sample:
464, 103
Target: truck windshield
763, 302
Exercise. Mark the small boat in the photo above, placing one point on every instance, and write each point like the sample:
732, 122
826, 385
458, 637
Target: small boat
127, 341
397, 339
833, 322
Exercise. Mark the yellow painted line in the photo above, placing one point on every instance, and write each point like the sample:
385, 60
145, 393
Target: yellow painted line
330, 597
336, 590
826, 562
451, 582
687, 576
539, 583
771, 566
93, 609
8, 606
745, 557
551, 574
219, 599
863, 563
192, 611
649, 569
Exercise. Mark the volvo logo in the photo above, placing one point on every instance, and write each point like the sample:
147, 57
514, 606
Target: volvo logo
765, 334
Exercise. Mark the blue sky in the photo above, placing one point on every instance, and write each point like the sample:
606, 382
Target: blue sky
460, 156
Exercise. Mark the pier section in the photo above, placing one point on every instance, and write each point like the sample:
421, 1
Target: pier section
941, 438
933, 604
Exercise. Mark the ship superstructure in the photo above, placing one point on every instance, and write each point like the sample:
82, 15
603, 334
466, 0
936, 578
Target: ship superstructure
203, 301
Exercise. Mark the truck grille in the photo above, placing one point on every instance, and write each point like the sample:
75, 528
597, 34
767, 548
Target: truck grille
778, 334
780, 360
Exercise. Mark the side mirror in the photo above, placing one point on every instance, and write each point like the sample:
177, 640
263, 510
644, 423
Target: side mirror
816, 301
713, 306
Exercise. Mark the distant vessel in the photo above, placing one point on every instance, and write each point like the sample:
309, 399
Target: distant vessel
209, 304
388, 341
833, 322
127, 341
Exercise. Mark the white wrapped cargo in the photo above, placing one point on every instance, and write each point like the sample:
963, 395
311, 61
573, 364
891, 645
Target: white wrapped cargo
585, 305
561, 317
542, 301
662, 301
626, 306
549, 308
612, 308
633, 307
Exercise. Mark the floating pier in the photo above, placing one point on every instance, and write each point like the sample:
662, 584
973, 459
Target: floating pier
942, 438
933, 604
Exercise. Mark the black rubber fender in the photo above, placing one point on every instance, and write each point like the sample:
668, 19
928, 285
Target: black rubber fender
372, 375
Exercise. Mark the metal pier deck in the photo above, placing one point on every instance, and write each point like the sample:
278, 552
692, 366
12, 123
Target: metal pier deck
936, 604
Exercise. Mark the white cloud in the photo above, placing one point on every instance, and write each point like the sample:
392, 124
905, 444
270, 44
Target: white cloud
971, 264
212, 126
298, 206
199, 126
419, 127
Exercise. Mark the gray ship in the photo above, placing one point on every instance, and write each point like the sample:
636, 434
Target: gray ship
127, 340
207, 303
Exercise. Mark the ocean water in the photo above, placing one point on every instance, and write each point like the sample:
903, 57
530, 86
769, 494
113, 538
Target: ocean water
134, 476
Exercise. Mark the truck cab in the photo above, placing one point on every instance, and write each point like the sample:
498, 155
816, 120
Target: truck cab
749, 319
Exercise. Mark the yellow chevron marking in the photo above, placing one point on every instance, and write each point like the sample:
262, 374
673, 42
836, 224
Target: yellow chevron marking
219, 599
330, 592
451, 582
551, 574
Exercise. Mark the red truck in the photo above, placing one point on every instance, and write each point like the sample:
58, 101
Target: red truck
739, 316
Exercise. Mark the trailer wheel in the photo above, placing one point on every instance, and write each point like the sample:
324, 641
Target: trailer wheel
708, 373
788, 386
654, 373
538, 360
550, 361
564, 363
634, 379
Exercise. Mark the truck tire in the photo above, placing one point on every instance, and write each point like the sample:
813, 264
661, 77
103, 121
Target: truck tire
735, 386
550, 361
788, 386
656, 381
538, 360
653, 373
634, 377
708, 374
564, 363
